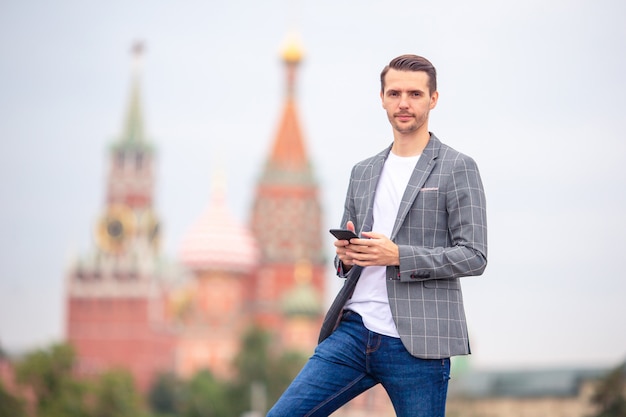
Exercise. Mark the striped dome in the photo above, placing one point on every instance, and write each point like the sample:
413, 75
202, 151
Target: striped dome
217, 241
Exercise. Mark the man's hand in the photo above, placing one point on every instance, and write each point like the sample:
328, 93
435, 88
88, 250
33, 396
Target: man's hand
341, 249
374, 249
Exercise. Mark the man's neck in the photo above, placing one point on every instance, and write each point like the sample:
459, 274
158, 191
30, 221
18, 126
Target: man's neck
410, 144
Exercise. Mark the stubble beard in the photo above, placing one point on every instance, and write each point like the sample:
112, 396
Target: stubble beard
408, 127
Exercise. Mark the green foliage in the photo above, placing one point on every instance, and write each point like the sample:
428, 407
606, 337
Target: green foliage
59, 393
115, 396
48, 372
285, 369
10, 405
610, 394
258, 366
252, 361
165, 397
45, 371
204, 396
262, 374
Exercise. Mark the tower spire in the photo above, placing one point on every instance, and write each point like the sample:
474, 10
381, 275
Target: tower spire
289, 156
292, 56
133, 132
131, 176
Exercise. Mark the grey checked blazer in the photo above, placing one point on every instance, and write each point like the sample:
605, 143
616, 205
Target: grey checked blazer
441, 231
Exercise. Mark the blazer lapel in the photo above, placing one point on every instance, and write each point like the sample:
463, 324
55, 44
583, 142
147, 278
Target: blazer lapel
373, 172
422, 170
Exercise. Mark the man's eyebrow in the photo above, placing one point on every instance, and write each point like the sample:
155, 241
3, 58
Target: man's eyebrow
393, 90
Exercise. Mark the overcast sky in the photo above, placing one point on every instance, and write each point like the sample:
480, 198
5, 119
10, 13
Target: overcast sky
533, 90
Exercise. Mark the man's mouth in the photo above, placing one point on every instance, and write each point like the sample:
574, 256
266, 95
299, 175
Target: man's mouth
404, 116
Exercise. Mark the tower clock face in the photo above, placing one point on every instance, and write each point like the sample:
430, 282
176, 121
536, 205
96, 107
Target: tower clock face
115, 228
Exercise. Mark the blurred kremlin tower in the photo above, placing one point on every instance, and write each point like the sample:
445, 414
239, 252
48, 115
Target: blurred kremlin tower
115, 314
127, 307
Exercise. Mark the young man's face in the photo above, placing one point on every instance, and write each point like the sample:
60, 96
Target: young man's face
407, 100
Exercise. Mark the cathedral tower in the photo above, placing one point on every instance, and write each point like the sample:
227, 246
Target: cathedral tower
287, 217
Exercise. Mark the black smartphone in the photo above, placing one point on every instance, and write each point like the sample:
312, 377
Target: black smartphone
343, 234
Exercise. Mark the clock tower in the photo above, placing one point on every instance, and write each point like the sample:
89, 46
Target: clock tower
129, 219
116, 311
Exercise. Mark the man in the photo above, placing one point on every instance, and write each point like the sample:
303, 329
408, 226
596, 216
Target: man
419, 209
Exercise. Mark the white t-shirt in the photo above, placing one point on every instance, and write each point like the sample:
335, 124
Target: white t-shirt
370, 298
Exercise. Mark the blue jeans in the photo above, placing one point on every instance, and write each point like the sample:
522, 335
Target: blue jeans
353, 360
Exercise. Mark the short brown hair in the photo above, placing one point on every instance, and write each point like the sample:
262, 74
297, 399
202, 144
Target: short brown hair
411, 63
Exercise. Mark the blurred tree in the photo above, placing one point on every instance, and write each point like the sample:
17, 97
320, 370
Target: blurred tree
285, 370
10, 405
165, 396
610, 394
261, 377
258, 368
115, 395
204, 396
49, 374
251, 362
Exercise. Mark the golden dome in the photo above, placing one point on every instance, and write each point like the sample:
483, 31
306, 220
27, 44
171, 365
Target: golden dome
292, 49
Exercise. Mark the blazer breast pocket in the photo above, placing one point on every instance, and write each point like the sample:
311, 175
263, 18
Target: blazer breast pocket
429, 198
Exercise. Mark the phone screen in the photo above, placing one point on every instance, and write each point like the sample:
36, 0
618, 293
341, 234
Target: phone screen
343, 234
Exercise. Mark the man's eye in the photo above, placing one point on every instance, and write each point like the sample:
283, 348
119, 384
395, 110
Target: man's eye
416, 94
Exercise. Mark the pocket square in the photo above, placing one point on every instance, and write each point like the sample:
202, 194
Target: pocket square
430, 189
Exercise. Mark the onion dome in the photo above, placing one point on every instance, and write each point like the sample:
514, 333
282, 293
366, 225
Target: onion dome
292, 49
217, 241
301, 301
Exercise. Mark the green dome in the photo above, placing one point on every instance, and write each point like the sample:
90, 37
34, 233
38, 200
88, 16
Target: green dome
302, 300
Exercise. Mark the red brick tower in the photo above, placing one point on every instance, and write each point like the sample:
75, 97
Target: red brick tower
115, 297
287, 222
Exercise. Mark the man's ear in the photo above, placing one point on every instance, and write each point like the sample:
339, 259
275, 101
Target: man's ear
433, 99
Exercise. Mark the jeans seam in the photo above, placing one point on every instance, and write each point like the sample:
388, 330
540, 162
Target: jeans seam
329, 399
371, 349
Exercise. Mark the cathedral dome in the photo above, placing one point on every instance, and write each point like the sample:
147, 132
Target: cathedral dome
302, 299
217, 241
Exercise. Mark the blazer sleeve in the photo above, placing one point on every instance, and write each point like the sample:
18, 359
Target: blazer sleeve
349, 213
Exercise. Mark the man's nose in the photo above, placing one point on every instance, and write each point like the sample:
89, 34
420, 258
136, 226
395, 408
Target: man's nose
404, 100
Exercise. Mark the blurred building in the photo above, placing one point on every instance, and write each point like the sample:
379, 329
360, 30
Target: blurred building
540, 393
127, 307
210, 312
531, 393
